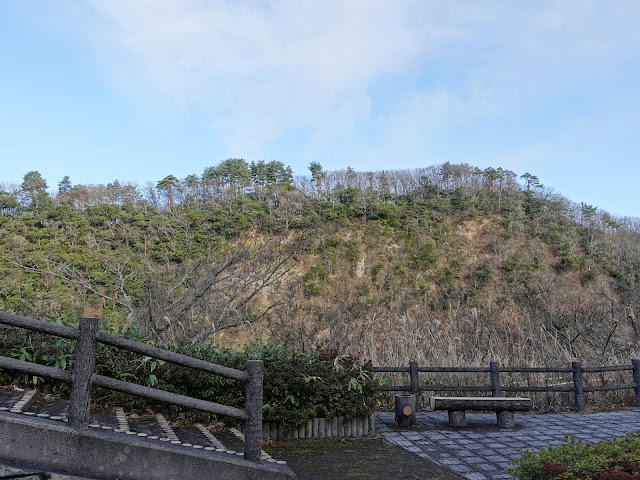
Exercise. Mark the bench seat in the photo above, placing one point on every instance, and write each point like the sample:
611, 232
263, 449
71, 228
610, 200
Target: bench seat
503, 406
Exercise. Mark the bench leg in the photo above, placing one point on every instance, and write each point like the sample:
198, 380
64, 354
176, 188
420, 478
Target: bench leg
457, 418
505, 419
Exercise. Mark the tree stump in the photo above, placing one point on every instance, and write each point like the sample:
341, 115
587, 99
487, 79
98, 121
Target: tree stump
405, 410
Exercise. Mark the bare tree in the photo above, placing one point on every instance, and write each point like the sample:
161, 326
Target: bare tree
235, 283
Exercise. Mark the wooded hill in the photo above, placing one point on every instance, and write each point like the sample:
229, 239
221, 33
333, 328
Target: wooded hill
448, 264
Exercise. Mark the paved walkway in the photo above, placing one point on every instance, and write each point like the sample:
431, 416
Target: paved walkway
482, 451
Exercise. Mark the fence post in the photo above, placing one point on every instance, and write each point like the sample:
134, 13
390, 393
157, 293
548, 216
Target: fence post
494, 368
636, 380
253, 407
83, 366
577, 386
414, 384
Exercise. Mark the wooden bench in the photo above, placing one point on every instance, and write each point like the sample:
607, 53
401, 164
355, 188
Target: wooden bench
503, 406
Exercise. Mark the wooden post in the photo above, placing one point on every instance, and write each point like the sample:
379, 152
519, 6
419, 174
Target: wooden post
494, 368
253, 407
83, 367
577, 386
636, 380
414, 382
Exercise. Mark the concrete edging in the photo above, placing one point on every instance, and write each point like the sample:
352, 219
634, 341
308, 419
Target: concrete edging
55, 447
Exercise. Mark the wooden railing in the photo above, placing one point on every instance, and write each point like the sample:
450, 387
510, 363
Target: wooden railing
496, 388
82, 377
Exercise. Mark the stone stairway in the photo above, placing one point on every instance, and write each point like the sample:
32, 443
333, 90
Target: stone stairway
152, 428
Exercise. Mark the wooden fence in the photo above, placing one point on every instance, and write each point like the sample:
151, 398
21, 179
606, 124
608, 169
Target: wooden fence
83, 377
496, 388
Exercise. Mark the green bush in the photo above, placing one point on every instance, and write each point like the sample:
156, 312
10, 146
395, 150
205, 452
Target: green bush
298, 385
618, 459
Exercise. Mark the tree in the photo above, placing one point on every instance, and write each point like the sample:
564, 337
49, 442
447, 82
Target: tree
78, 196
317, 174
258, 173
351, 177
34, 187
64, 185
167, 184
232, 175
8, 204
531, 181
191, 189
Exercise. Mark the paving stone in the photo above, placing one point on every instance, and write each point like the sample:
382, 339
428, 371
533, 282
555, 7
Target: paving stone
481, 451
461, 468
466, 453
476, 476
494, 458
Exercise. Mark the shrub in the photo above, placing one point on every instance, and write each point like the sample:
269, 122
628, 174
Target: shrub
617, 459
298, 385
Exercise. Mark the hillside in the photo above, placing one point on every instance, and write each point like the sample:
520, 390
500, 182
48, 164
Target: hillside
448, 264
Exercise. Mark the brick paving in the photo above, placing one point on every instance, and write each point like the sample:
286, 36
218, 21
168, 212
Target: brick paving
482, 451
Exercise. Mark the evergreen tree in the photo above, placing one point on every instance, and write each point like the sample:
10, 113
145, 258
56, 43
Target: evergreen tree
34, 187
317, 174
167, 184
64, 185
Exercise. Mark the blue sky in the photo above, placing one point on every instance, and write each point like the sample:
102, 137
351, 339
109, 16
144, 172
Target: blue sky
136, 90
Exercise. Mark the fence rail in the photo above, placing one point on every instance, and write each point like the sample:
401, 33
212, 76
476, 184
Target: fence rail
496, 387
83, 376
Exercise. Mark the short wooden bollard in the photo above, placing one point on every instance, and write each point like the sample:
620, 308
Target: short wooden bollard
405, 410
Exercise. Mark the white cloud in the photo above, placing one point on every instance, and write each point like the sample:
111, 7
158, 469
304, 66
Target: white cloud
259, 69
290, 63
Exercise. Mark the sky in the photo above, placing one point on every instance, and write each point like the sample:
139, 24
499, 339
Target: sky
136, 90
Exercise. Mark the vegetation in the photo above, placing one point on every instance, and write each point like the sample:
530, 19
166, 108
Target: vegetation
298, 385
447, 264
618, 459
